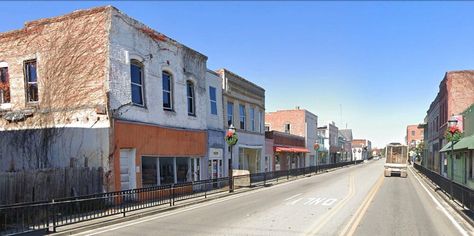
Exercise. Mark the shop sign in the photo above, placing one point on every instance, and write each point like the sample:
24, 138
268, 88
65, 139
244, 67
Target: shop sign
215, 153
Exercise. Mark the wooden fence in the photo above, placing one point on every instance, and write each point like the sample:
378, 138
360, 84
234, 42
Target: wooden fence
46, 184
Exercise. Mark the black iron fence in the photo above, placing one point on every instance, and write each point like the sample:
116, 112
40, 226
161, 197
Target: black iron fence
48, 215
458, 192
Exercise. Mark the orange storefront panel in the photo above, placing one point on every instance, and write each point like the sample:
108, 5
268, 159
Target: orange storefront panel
150, 140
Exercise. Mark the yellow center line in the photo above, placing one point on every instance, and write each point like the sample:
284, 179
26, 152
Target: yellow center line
318, 225
350, 228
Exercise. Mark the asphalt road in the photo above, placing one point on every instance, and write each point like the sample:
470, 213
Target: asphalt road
355, 200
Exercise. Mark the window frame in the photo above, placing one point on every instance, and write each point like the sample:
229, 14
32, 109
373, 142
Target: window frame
191, 97
213, 102
242, 117
3, 95
252, 118
230, 116
26, 73
134, 62
170, 91
288, 130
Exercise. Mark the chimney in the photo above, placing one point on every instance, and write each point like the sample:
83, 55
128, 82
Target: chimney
297, 107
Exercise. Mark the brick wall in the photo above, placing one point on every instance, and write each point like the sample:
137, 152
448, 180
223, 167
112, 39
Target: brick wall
414, 134
296, 118
70, 53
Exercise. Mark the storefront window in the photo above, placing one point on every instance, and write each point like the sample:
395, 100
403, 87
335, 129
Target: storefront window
183, 173
166, 170
149, 171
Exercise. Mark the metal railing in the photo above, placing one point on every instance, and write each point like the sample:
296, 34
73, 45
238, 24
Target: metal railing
46, 216
456, 191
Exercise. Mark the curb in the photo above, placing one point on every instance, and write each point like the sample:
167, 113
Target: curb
150, 211
446, 198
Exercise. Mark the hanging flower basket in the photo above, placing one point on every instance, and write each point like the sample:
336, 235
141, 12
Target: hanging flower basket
231, 138
453, 134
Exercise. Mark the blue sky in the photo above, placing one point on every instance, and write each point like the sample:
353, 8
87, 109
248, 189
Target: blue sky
381, 62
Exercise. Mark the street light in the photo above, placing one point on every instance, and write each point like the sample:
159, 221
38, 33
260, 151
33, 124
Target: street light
231, 139
453, 122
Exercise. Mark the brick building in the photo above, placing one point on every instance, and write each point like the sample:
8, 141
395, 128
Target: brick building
456, 93
97, 89
414, 135
288, 150
297, 122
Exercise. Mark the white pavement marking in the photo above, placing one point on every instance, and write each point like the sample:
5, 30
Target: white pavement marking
213, 202
295, 201
293, 196
450, 217
329, 202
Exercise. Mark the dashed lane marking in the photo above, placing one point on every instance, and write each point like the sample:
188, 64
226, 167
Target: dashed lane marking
293, 196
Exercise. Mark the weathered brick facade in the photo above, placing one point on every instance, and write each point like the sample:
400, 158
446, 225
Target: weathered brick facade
456, 93
297, 122
414, 135
71, 58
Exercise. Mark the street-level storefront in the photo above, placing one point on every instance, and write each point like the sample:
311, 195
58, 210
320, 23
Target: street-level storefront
459, 161
289, 151
216, 163
148, 155
250, 158
248, 153
216, 166
287, 157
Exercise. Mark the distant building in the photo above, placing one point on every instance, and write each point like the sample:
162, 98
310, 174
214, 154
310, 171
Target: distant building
414, 135
347, 148
361, 149
288, 150
330, 134
297, 122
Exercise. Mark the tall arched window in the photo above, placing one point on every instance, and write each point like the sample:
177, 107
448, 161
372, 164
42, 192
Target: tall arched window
136, 78
191, 98
167, 81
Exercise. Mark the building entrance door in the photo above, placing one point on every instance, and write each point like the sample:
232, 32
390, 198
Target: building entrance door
127, 169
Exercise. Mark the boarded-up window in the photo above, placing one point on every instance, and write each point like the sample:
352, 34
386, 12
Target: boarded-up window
4, 85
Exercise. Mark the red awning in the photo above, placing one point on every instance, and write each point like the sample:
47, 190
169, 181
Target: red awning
291, 149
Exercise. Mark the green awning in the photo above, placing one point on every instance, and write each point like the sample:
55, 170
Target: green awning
464, 143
